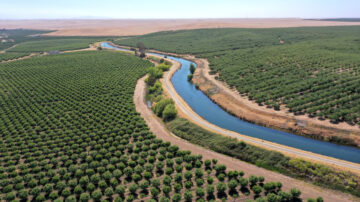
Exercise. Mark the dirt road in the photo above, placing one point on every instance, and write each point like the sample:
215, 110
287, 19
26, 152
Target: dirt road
157, 127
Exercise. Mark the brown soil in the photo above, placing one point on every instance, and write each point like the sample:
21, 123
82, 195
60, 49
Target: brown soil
156, 126
242, 107
123, 27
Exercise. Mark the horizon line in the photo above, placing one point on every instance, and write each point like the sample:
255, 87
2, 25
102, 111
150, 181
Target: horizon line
207, 18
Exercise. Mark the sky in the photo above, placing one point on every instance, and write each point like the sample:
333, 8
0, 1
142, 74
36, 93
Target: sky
155, 9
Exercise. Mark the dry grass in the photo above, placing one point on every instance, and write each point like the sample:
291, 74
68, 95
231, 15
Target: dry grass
138, 27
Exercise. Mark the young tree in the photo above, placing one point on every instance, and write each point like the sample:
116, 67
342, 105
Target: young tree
295, 193
97, 194
256, 189
188, 196
154, 192
192, 68
232, 184
199, 192
166, 189
221, 188
176, 197
84, 197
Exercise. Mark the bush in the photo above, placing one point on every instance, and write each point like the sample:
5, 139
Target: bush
188, 196
84, 197
154, 192
160, 106
176, 198
163, 67
169, 112
256, 189
192, 68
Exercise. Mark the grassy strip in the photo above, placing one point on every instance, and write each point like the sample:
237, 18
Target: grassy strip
315, 173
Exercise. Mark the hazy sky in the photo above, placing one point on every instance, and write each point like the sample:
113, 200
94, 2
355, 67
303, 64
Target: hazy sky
50, 9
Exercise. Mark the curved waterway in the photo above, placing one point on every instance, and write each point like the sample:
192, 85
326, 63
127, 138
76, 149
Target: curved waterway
214, 114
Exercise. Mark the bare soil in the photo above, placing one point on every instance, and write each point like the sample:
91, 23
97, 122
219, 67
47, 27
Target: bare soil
126, 27
157, 127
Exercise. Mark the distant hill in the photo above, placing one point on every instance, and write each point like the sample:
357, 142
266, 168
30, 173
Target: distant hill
339, 19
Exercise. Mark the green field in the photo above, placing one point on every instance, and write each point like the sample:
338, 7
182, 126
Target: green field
69, 131
10, 56
15, 36
46, 45
313, 71
19, 43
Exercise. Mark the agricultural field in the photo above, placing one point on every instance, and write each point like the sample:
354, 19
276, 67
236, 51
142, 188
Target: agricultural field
69, 131
313, 71
20, 43
47, 45
9, 38
10, 56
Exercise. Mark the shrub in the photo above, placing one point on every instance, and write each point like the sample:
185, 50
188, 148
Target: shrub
256, 189
176, 197
188, 195
160, 106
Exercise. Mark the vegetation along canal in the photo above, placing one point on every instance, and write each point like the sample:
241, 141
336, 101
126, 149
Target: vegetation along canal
211, 112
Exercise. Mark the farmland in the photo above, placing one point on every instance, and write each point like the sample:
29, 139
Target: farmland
310, 71
20, 43
69, 131
47, 45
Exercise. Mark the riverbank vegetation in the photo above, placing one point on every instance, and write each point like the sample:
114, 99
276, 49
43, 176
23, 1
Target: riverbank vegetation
315, 173
163, 107
312, 71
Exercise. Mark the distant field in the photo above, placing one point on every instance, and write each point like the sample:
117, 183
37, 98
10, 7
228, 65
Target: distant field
310, 70
9, 38
124, 27
18, 43
46, 45
10, 56
339, 19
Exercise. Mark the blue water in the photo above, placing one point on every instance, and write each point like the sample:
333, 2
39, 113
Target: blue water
211, 112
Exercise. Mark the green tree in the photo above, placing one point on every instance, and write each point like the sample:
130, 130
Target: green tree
176, 197
166, 189
154, 192
84, 197
199, 192
295, 193
96, 195
188, 195
256, 189
192, 68
221, 188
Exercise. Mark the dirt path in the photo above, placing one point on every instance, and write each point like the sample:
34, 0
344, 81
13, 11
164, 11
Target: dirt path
242, 107
157, 127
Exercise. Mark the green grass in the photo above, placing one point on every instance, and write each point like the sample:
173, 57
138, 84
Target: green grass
313, 71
